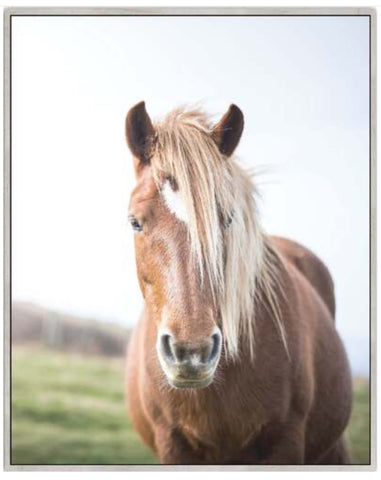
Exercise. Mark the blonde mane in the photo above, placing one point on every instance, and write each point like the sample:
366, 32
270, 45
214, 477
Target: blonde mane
226, 237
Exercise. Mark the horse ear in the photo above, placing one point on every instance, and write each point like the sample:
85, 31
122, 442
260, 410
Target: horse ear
228, 130
140, 133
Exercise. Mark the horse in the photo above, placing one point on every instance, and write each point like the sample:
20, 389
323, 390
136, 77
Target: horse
235, 358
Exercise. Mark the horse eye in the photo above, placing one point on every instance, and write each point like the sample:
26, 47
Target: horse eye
135, 224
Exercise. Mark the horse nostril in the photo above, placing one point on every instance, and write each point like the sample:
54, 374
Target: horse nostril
166, 347
216, 343
172, 351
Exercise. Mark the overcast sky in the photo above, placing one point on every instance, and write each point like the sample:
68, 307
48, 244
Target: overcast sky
302, 83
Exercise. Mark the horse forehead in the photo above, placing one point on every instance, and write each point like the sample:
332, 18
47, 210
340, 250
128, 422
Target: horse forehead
145, 189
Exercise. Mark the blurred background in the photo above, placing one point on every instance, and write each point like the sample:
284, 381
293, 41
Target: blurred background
303, 85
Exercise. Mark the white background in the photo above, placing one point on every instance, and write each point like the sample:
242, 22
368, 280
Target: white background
302, 84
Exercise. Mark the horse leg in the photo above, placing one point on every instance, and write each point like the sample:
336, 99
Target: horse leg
173, 448
280, 444
336, 455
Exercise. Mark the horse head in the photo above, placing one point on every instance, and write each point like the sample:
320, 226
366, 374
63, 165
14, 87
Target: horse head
179, 230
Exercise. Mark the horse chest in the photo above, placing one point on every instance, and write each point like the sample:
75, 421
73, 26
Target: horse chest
214, 431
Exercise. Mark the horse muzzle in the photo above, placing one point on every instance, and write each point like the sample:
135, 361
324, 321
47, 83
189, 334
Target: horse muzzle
187, 364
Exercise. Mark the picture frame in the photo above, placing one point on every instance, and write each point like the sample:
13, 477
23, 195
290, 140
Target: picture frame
11, 13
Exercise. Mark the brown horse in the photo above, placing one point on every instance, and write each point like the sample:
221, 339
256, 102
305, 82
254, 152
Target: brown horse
235, 359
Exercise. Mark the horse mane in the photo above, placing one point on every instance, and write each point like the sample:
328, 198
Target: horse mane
227, 240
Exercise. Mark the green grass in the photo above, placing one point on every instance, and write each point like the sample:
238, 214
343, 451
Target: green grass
357, 434
69, 409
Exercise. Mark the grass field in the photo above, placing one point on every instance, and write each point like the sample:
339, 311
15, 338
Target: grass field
69, 409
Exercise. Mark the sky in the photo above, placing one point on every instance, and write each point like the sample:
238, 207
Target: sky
302, 84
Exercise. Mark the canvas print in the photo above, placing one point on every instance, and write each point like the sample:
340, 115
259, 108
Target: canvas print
190, 240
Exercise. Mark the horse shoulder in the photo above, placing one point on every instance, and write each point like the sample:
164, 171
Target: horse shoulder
311, 267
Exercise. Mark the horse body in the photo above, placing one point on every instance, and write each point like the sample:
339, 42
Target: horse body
289, 403
300, 408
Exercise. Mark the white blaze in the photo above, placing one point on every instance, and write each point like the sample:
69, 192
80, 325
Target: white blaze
174, 202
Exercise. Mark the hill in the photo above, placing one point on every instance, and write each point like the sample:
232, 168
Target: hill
38, 325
